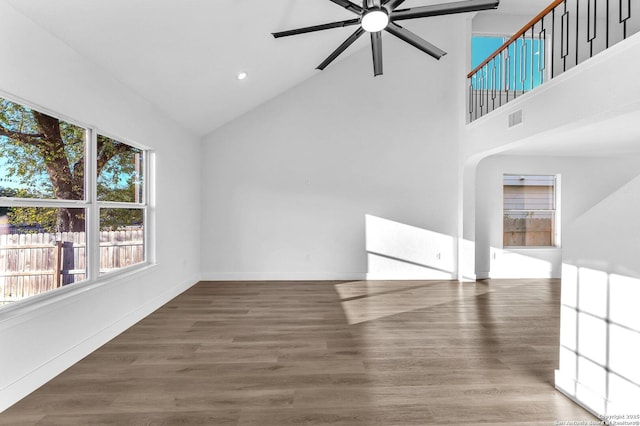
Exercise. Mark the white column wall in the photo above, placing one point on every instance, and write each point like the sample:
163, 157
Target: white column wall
600, 325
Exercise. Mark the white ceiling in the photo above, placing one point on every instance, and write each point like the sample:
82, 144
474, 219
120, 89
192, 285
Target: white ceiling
183, 55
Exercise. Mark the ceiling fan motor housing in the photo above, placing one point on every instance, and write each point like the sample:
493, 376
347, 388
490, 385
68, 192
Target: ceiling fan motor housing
375, 19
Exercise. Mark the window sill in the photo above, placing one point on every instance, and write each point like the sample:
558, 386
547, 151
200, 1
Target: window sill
42, 302
526, 248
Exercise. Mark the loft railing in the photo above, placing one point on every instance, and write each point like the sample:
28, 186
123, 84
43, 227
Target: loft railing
560, 37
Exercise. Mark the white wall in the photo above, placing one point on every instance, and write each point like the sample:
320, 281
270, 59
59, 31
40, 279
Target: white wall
491, 24
287, 188
584, 182
39, 340
600, 325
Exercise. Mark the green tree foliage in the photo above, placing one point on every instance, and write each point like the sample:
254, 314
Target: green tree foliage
34, 219
44, 156
116, 219
119, 171
6, 192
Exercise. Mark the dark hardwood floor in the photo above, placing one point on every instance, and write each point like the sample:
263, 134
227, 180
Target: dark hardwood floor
324, 353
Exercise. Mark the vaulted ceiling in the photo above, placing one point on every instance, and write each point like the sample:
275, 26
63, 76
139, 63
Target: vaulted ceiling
184, 55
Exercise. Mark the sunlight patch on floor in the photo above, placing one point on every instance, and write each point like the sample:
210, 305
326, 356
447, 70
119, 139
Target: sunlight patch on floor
364, 301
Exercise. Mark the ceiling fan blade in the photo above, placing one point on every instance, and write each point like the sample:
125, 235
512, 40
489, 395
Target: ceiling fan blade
376, 50
370, 4
313, 28
392, 4
444, 9
348, 42
348, 5
415, 40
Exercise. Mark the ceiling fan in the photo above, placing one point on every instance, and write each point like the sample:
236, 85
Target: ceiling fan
377, 15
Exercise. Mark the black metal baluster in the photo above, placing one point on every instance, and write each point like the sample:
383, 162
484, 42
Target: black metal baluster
493, 84
475, 94
486, 78
532, 54
507, 72
470, 99
499, 78
553, 39
542, 51
523, 63
481, 91
607, 26
591, 36
577, 32
625, 16
564, 34
514, 77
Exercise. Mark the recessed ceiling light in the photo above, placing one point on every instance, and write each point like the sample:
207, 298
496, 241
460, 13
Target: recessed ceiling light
241, 75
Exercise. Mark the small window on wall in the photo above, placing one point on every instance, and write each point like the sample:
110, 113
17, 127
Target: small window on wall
529, 204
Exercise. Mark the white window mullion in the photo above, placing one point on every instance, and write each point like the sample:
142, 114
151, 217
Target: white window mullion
39, 202
119, 205
149, 199
558, 211
93, 223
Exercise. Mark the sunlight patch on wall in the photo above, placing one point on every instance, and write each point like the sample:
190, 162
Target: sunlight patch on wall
624, 294
592, 292
623, 395
511, 264
624, 351
600, 340
466, 260
399, 251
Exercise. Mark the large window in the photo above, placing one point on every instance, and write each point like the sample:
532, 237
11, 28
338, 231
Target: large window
72, 202
529, 218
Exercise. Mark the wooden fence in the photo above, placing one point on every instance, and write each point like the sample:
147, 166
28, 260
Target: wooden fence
527, 232
31, 264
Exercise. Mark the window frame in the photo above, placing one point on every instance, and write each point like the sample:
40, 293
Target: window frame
556, 211
143, 205
92, 207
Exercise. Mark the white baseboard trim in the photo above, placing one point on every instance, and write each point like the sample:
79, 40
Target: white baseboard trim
40, 375
283, 276
323, 276
411, 276
512, 276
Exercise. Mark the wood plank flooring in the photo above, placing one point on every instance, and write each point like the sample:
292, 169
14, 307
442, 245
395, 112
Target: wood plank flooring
323, 353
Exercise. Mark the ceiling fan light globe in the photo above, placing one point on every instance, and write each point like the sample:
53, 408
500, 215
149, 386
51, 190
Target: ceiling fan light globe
374, 21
